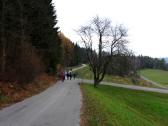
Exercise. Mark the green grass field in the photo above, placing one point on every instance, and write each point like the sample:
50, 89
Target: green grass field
85, 73
159, 76
111, 106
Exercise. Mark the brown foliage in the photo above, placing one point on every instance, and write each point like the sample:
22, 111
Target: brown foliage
23, 64
68, 50
31, 64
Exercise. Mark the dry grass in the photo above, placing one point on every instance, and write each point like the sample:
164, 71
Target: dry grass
12, 92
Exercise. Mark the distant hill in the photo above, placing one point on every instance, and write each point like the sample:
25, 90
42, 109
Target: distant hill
166, 59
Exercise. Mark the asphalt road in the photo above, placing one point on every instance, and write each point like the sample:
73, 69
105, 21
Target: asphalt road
57, 106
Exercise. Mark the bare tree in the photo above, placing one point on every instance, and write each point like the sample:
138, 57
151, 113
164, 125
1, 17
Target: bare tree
102, 41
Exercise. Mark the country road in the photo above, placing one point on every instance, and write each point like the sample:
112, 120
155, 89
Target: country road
57, 106
132, 87
154, 83
82, 66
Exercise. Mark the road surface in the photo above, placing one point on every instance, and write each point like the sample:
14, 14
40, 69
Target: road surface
57, 106
82, 66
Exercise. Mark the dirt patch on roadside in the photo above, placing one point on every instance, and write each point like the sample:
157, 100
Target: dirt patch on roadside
12, 92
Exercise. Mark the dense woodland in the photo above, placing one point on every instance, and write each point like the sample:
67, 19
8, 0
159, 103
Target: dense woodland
153, 63
30, 41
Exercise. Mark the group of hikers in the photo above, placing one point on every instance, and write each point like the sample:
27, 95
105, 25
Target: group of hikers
67, 75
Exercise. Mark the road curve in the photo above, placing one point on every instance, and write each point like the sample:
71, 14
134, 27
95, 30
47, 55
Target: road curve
57, 106
154, 83
82, 66
133, 87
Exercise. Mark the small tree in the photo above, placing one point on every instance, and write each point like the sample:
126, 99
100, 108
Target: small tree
101, 41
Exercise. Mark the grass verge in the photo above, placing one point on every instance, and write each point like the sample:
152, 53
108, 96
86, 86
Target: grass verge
111, 106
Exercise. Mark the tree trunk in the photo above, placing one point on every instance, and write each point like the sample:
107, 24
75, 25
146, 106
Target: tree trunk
22, 22
3, 65
96, 81
3, 57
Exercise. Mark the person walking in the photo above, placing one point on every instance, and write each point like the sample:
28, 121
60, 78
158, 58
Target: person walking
70, 74
74, 75
62, 76
66, 75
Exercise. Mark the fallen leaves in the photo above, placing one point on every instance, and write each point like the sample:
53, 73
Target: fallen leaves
12, 92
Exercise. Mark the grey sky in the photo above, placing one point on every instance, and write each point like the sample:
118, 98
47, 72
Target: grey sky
146, 20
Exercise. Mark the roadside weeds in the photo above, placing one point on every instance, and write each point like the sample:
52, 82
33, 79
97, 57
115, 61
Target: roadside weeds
11, 93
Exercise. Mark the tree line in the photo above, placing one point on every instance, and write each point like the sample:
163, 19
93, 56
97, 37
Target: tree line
152, 63
129, 64
72, 54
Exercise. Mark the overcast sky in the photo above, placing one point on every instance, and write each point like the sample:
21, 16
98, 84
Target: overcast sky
146, 20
